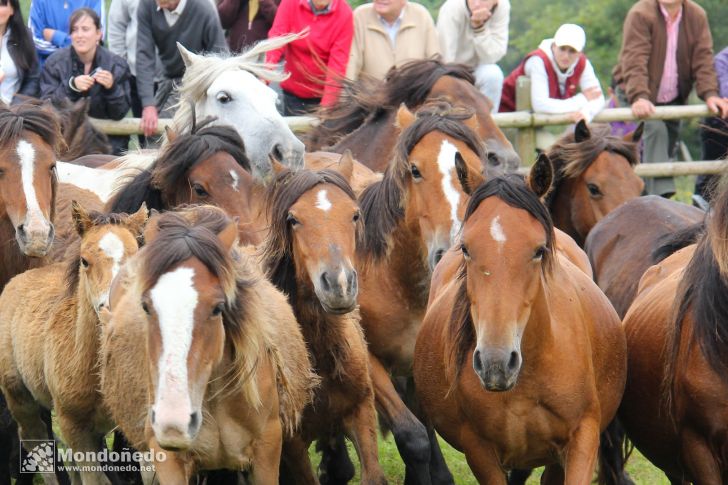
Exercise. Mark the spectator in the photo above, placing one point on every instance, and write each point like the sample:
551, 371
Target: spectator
666, 49
714, 136
19, 68
49, 23
388, 33
162, 23
317, 60
247, 21
475, 33
557, 69
87, 70
619, 128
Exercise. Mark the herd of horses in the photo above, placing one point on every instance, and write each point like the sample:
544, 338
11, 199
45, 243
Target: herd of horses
231, 298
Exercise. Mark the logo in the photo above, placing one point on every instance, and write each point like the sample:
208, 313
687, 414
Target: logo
41, 458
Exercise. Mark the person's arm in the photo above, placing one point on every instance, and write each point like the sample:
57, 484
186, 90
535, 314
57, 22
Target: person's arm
228, 11
589, 82
432, 42
706, 82
31, 81
356, 53
214, 37
119, 20
540, 99
491, 40
146, 54
53, 84
449, 27
338, 57
636, 49
38, 23
281, 26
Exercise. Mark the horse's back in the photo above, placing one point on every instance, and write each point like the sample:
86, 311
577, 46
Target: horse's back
620, 246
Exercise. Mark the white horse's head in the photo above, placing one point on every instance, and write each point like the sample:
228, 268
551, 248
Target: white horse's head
229, 88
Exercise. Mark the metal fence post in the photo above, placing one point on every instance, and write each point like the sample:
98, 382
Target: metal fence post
526, 137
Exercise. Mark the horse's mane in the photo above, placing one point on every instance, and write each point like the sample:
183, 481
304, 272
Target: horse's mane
382, 202
284, 191
29, 117
512, 190
368, 99
74, 252
571, 158
163, 184
200, 75
701, 296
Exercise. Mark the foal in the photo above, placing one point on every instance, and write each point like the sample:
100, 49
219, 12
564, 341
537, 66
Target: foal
49, 334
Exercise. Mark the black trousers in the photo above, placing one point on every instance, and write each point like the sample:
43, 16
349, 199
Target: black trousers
295, 106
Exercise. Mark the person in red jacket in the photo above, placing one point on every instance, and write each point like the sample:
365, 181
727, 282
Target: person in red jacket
316, 62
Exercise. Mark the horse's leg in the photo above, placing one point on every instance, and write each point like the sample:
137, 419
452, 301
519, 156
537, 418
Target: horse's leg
552, 475
611, 457
519, 476
267, 454
482, 459
361, 427
581, 453
296, 463
335, 467
79, 436
698, 459
409, 433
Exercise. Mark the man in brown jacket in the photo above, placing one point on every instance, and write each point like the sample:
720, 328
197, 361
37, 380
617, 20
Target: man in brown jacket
666, 49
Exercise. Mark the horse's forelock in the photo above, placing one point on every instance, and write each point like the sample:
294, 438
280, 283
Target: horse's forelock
32, 118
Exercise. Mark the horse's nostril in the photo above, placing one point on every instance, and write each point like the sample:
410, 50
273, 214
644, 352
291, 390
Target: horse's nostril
194, 423
513, 361
325, 281
153, 416
477, 362
278, 153
494, 160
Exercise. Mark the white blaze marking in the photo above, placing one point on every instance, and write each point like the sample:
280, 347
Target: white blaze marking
112, 247
322, 201
446, 163
26, 154
496, 232
235, 180
174, 298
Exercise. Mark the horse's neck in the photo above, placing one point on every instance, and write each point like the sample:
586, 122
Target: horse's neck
562, 210
14, 261
375, 155
88, 328
408, 265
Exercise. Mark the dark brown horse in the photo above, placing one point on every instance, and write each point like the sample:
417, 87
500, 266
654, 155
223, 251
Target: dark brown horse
81, 136
491, 365
675, 407
594, 175
363, 121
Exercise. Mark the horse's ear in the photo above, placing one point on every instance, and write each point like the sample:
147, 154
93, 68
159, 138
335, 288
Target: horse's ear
171, 134
187, 56
541, 176
636, 135
277, 166
151, 229
462, 170
581, 132
229, 236
138, 220
404, 117
81, 219
104, 316
346, 165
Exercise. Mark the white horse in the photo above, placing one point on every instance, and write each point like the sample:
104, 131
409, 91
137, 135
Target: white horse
230, 89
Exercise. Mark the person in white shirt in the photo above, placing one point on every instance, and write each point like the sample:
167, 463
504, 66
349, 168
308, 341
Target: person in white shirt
558, 69
475, 33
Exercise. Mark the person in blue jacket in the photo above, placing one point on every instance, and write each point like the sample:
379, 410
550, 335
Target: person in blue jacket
49, 23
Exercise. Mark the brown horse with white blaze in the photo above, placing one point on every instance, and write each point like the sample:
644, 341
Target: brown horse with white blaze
510, 311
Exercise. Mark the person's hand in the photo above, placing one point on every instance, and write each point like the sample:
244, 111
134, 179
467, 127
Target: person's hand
592, 93
643, 108
48, 34
576, 116
83, 83
105, 78
149, 120
718, 105
481, 11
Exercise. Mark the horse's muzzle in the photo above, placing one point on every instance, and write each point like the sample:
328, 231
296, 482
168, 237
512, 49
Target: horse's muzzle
337, 290
497, 369
35, 238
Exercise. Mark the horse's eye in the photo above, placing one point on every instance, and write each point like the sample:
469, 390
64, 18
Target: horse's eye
539, 253
415, 172
217, 310
224, 97
465, 252
199, 190
357, 216
2, 172
594, 190
84, 263
292, 220
145, 307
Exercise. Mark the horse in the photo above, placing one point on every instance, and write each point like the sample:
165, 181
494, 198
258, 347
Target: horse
206, 166
310, 255
522, 402
594, 175
50, 331
367, 109
620, 246
201, 357
674, 406
81, 136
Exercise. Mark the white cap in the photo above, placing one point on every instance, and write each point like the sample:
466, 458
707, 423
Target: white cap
570, 35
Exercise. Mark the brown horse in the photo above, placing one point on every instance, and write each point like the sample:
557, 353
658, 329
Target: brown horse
207, 166
512, 316
594, 175
50, 332
363, 120
310, 255
675, 403
202, 356
81, 137
620, 246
